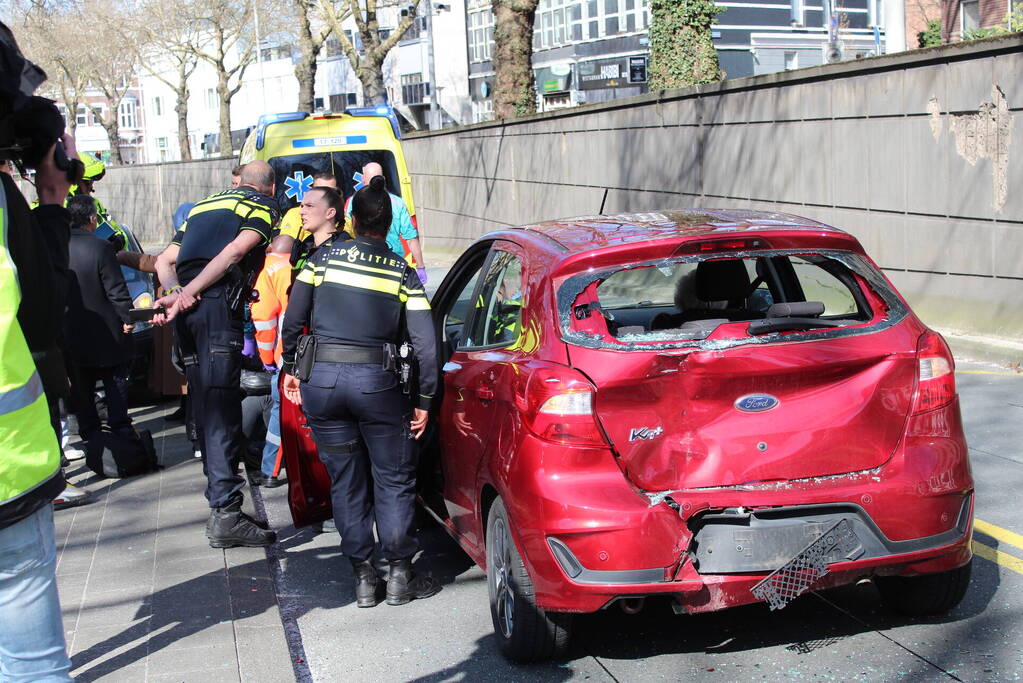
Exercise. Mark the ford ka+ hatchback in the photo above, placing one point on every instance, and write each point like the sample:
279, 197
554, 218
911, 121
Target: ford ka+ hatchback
722, 407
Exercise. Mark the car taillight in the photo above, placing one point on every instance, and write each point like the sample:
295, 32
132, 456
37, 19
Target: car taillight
936, 382
558, 406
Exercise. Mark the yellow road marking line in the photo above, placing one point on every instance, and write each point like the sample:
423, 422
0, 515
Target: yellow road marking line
988, 553
997, 532
988, 372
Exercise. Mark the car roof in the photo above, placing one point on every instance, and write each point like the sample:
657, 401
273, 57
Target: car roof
586, 233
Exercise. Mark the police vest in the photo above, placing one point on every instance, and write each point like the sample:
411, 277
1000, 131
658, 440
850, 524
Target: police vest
29, 454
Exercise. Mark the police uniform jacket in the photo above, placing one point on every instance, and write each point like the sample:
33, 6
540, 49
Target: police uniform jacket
359, 293
214, 222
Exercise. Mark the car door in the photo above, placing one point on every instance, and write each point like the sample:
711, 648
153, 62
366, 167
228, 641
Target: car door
476, 399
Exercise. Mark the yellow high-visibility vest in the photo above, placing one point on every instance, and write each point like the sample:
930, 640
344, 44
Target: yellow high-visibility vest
29, 453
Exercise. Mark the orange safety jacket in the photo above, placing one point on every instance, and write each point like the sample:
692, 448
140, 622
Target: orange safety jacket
272, 284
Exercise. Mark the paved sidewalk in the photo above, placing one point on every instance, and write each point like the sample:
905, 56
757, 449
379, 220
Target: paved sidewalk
144, 597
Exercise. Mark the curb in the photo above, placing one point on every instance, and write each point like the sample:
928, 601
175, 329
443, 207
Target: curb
1002, 352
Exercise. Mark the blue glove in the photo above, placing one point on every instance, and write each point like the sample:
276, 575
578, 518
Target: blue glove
422, 274
249, 348
270, 367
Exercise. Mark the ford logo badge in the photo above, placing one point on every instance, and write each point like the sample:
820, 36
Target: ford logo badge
755, 403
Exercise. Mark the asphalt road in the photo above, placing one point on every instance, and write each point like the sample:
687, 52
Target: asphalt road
843, 634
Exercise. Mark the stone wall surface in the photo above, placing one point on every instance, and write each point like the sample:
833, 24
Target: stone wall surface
919, 154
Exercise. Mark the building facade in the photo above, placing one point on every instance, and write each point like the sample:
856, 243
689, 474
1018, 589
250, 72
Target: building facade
588, 51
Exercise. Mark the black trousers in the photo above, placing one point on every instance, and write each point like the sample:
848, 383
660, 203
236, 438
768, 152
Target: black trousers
83, 398
210, 340
360, 421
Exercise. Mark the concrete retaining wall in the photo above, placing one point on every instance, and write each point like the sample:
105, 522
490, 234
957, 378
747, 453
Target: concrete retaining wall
920, 155
144, 196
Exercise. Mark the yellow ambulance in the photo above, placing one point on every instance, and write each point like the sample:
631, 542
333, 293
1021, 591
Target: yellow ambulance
299, 145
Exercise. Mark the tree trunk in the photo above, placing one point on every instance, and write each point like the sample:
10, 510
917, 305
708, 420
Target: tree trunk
372, 78
514, 83
114, 136
681, 50
181, 108
224, 91
305, 68
305, 72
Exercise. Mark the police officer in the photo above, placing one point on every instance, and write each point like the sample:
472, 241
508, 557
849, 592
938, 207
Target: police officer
208, 271
359, 300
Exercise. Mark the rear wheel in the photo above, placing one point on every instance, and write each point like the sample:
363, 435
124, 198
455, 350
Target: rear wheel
925, 595
525, 632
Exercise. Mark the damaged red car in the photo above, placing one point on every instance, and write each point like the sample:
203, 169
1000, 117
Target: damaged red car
719, 407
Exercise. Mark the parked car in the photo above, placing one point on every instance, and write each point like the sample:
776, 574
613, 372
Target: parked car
140, 288
719, 407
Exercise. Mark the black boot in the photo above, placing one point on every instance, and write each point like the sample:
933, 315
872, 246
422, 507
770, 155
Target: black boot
229, 527
366, 581
403, 586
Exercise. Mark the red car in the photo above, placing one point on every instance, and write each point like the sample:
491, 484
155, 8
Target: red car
722, 407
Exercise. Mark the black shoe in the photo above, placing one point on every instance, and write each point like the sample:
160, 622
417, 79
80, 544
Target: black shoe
366, 581
257, 478
403, 586
229, 527
177, 416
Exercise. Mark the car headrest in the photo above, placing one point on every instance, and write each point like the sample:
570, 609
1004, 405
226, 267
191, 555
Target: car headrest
722, 280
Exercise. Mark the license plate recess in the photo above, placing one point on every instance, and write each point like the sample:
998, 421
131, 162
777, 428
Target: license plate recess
796, 576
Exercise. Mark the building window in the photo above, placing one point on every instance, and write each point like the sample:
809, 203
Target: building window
413, 90
791, 61
211, 98
480, 34
415, 30
796, 15
82, 117
970, 14
128, 114
157, 106
317, 103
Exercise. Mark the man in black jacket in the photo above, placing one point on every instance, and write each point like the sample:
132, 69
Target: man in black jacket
97, 324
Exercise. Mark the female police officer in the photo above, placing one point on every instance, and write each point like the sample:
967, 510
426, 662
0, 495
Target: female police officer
359, 299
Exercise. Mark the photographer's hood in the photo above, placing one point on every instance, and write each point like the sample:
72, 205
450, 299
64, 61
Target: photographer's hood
19, 77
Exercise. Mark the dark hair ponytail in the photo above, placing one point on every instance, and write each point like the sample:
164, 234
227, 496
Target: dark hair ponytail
371, 209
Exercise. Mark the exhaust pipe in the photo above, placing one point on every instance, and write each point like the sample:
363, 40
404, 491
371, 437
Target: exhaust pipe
632, 605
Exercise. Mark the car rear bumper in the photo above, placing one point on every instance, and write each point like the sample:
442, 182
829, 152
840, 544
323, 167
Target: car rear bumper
586, 590
590, 538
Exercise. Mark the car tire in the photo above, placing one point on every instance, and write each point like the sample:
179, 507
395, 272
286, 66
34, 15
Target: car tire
925, 595
525, 632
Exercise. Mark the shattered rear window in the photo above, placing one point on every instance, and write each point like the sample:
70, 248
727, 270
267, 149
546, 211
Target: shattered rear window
721, 300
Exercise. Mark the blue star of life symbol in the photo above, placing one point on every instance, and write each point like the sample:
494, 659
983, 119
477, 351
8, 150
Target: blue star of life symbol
358, 181
297, 184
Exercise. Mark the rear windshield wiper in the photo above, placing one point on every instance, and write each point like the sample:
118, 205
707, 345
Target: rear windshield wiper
800, 315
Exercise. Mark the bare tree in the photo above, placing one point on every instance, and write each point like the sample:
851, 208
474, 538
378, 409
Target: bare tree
368, 65
111, 72
514, 83
168, 53
50, 39
310, 42
224, 27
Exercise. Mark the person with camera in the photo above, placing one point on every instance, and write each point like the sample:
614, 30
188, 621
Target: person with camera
360, 300
208, 272
33, 276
